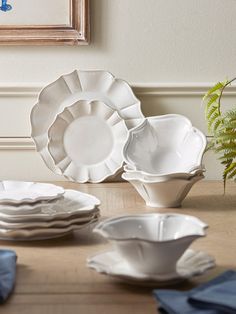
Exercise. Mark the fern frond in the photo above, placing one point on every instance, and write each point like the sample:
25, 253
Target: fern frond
216, 124
216, 88
212, 100
230, 168
211, 111
211, 119
231, 115
232, 175
230, 124
231, 146
223, 128
228, 155
227, 136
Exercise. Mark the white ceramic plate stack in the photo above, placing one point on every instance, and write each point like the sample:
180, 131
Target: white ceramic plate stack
80, 124
37, 211
164, 159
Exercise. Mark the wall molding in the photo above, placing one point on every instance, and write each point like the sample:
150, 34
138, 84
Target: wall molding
180, 89
140, 89
16, 143
19, 90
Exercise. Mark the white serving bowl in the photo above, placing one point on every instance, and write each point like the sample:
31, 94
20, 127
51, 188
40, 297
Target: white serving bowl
163, 145
152, 243
158, 177
162, 193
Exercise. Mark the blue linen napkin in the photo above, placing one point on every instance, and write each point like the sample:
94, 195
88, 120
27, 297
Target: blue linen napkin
7, 273
217, 296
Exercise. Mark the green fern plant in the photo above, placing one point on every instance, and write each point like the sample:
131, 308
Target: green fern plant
222, 128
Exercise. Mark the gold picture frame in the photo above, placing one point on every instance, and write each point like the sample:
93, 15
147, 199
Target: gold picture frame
77, 32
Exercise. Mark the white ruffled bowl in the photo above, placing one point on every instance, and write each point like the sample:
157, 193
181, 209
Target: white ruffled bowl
164, 145
152, 243
162, 193
158, 177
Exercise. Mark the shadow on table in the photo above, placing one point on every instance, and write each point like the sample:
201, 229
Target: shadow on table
84, 237
181, 286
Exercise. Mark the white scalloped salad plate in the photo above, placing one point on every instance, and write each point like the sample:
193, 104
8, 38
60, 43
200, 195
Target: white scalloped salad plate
17, 192
86, 141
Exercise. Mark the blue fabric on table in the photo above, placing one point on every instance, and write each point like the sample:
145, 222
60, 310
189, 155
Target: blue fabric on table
217, 296
221, 296
7, 273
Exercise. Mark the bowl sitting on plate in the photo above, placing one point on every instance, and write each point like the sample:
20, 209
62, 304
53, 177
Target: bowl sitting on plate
152, 243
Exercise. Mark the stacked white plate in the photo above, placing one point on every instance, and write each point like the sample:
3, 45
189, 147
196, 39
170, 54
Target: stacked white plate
37, 211
164, 159
80, 124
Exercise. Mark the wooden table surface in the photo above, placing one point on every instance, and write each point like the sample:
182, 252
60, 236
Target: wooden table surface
52, 276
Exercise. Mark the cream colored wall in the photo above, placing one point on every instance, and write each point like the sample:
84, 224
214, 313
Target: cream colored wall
168, 49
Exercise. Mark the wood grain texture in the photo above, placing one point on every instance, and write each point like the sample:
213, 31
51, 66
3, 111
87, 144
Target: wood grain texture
77, 33
52, 276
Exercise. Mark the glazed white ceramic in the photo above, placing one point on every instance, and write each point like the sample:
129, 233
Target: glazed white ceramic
72, 204
162, 193
41, 233
165, 144
17, 192
20, 209
152, 243
192, 263
140, 175
86, 141
49, 224
12, 211
80, 85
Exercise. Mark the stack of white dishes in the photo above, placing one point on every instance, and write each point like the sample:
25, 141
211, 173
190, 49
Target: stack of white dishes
164, 159
80, 124
151, 248
38, 211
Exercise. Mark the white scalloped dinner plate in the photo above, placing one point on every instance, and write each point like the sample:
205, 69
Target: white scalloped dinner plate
49, 224
17, 192
192, 263
80, 85
41, 233
86, 141
72, 204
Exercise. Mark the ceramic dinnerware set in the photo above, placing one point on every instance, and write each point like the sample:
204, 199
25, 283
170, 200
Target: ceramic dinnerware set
85, 125
37, 211
163, 158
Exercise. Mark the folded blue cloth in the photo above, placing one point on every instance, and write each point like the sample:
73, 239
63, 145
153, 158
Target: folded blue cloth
7, 273
217, 296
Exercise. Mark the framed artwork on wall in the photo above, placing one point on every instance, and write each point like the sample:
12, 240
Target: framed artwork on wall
44, 22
